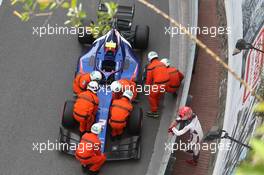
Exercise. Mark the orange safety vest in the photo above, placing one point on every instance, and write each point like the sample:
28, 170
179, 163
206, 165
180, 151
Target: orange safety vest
175, 79
86, 104
128, 85
89, 146
80, 82
157, 73
120, 110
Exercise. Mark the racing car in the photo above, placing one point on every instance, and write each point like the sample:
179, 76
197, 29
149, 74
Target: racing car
114, 57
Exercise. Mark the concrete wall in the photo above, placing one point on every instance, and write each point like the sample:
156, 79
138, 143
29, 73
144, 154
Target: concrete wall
182, 50
245, 19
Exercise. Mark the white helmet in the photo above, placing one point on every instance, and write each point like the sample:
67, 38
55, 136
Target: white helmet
93, 86
128, 94
96, 128
116, 86
96, 76
152, 55
165, 61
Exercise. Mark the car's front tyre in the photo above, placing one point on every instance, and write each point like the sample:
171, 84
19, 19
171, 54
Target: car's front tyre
141, 37
135, 120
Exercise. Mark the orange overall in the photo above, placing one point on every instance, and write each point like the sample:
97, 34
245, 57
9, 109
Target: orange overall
89, 152
126, 85
85, 109
80, 82
156, 75
119, 112
175, 79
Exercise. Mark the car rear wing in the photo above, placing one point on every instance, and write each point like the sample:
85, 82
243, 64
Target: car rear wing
126, 149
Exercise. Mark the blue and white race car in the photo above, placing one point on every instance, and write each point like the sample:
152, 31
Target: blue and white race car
114, 57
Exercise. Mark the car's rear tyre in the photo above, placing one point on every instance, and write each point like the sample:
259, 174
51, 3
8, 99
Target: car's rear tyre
135, 120
67, 117
83, 36
141, 37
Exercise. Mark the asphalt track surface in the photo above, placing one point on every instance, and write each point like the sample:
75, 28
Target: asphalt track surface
36, 78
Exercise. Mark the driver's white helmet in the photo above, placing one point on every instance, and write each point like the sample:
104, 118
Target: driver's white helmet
152, 55
128, 94
96, 128
165, 61
93, 86
96, 76
116, 87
